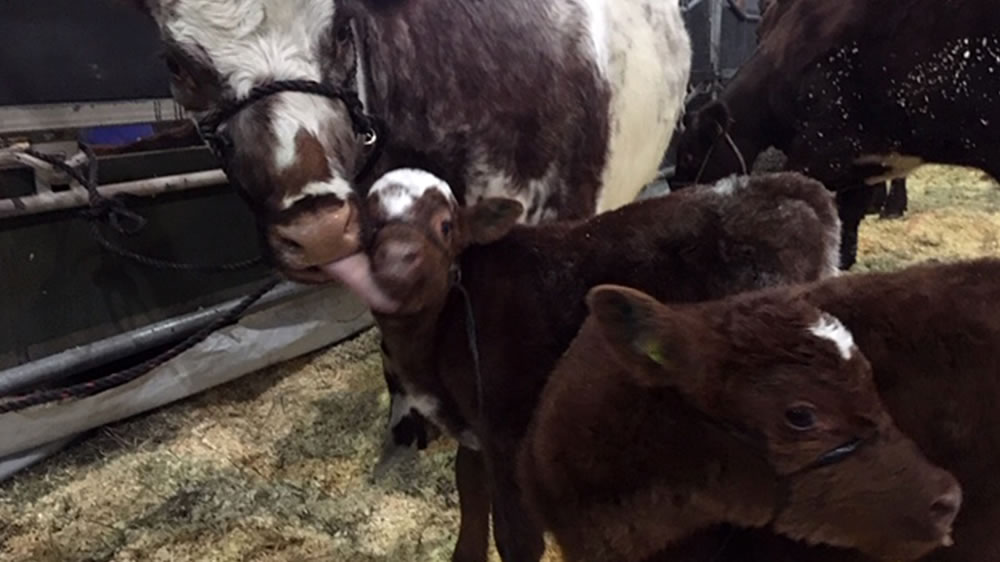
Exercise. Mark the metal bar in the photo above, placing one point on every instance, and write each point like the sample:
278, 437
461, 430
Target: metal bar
29, 118
692, 4
715, 37
77, 196
78, 359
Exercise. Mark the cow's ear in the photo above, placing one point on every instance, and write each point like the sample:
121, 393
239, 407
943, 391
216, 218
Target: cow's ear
656, 343
713, 121
490, 219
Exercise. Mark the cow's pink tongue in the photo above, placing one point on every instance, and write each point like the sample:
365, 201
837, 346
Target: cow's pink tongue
356, 273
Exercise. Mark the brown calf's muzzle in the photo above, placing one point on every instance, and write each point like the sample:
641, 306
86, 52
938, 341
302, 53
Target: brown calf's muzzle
879, 495
410, 264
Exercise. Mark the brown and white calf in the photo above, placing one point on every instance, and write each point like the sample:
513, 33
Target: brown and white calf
730, 403
565, 105
526, 287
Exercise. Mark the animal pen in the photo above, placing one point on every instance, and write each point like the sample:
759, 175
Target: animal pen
75, 310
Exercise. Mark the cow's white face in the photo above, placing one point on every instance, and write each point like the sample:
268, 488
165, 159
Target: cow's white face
294, 154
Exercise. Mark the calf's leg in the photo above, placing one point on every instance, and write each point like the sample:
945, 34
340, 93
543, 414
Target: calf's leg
474, 507
896, 201
879, 196
852, 203
517, 535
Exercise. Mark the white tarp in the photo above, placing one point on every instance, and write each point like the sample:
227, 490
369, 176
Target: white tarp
286, 329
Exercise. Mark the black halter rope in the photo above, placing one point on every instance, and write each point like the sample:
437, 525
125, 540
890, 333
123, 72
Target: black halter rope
370, 129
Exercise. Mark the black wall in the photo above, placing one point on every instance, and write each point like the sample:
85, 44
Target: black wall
77, 51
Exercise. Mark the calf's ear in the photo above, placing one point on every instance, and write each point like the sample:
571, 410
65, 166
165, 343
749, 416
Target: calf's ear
657, 341
491, 219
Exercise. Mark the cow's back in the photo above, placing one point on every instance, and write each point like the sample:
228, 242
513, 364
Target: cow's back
565, 105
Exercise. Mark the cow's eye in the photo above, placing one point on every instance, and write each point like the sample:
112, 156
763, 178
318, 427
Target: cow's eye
344, 33
801, 417
445, 228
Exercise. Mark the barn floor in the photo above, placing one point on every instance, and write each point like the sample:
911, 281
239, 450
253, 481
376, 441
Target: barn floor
275, 466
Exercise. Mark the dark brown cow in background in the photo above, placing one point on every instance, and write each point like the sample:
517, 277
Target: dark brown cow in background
856, 93
704, 384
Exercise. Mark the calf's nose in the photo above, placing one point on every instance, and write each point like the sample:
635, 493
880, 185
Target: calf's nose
317, 238
399, 260
945, 507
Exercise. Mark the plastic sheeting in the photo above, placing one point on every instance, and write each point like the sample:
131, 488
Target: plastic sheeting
280, 332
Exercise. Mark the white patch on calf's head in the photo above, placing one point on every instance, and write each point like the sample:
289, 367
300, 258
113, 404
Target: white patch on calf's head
829, 328
399, 189
335, 186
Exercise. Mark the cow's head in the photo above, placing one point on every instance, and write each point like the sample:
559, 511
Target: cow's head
294, 155
706, 151
787, 380
418, 232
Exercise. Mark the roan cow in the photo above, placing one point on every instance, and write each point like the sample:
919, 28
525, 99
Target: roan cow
526, 287
856, 93
790, 409
565, 105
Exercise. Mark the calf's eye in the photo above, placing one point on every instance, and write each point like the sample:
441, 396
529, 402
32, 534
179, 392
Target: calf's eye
801, 417
445, 228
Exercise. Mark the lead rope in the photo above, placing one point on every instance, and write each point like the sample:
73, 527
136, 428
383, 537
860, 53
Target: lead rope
472, 342
124, 220
732, 146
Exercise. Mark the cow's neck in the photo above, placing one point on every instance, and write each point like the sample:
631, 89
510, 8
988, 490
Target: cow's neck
756, 126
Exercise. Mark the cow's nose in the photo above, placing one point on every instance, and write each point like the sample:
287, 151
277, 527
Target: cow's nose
945, 507
399, 260
317, 238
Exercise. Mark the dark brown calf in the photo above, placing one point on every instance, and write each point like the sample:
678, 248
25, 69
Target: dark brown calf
527, 288
661, 421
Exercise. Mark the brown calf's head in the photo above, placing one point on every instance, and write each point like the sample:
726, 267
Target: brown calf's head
294, 155
778, 228
705, 151
419, 230
787, 379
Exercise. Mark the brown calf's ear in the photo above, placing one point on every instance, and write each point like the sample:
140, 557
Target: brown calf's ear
491, 219
646, 333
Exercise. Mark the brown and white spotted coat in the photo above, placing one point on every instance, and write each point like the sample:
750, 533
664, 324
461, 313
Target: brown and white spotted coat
565, 105
527, 286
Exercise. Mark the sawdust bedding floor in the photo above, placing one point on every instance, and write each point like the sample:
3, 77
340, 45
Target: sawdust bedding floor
276, 466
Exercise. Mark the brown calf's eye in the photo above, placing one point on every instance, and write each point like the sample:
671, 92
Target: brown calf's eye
801, 417
445, 228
